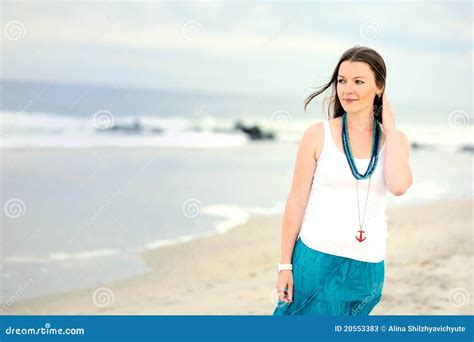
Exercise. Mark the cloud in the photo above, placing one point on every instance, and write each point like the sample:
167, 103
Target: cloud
231, 27
276, 47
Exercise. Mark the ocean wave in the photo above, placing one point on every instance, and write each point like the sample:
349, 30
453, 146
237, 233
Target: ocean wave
44, 130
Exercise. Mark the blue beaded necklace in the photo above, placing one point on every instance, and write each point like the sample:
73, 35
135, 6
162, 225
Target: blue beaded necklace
355, 172
347, 149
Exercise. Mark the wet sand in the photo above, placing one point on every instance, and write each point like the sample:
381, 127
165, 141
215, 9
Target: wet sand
429, 271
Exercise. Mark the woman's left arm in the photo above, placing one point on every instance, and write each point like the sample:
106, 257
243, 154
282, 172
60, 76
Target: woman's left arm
397, 171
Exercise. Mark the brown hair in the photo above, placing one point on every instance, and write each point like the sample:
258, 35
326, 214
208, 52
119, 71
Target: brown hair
355, 54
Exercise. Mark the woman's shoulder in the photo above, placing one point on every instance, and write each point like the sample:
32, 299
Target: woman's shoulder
313, 137
314, 130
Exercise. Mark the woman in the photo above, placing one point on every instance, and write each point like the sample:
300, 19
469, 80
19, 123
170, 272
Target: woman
334, 226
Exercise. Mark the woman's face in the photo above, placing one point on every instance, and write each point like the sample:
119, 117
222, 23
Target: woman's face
356, 81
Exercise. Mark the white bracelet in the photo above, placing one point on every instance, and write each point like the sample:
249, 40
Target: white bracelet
281, 267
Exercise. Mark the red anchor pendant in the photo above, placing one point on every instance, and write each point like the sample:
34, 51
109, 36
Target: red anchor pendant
360, 238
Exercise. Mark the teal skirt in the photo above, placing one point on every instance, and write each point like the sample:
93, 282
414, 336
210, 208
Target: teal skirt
326, 284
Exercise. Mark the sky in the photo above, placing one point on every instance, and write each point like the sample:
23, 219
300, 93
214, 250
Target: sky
279, 48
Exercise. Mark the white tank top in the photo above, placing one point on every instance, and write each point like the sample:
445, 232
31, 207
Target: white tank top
331, 221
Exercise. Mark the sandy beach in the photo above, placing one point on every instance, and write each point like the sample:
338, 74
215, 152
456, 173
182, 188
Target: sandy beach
429, 271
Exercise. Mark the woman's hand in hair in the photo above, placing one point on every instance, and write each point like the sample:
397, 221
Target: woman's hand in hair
388, 115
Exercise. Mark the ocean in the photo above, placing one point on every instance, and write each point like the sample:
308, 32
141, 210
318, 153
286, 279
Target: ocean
93, 175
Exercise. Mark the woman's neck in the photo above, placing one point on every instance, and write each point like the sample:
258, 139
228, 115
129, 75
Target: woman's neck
360, 122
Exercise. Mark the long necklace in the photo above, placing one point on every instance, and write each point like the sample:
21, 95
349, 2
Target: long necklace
360, 237
355, 172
